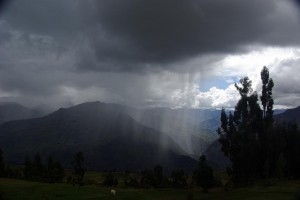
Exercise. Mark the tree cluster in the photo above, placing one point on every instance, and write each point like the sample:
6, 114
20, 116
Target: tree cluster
255, 146
2, 165
286, 148
155, 178
110, 180
35, 170
78, 169
204, 176
178, 179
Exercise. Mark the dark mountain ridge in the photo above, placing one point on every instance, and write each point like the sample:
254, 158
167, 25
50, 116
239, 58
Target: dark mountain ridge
108, 137
290, 115
116, 135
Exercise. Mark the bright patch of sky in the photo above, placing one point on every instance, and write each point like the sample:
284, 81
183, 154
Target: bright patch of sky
219, 82
220, 92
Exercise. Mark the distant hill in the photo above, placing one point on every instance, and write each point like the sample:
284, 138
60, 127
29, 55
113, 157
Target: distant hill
105, 133
278, 111
215, 155
13, 111
290, 115
192, 129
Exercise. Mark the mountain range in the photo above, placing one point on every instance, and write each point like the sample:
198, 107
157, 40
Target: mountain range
113, 136
290, 115
108, 137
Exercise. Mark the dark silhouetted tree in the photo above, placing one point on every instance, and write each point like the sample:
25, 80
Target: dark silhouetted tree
28, 169
266, 96
240, 133
256, 147
204, 174
59, 172
153, 178
110, 180
131, 182
266, 135
10, 173
147, 178
55, 171
281, 166
78, 169
50, 169
2, 165
35, 170
158, 176
291, 151
178, 179
39, 170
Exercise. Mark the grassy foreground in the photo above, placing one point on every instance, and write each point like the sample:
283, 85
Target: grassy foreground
11, 189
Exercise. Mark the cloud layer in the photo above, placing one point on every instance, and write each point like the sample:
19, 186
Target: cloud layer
152, 52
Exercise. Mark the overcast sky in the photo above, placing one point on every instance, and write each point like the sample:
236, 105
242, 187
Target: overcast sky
175, 53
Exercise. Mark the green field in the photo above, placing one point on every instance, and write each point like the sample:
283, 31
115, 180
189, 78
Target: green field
16, 189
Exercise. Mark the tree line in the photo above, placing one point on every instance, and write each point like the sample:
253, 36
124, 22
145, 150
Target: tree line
35, 170
155, 178
53, 172
258, 147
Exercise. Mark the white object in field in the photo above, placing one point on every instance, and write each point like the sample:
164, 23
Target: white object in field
113, 192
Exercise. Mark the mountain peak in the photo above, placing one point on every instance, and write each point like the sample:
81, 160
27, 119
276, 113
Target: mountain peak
108, 136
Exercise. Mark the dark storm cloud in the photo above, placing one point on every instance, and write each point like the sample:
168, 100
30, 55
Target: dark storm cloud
3, 4
133, 51
155, 31
58, 18
131, 35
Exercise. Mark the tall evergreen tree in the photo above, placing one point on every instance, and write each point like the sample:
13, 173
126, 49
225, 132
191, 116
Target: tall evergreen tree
266, 97
240, 133
291, 150
35, 170
55, 171
256, 147
2, 165
50, 169
110, 180
147, 178
178, 179
267, 147
39, 170
59, 171
79, 171
158, 176
281, 166
204, 174
28, 169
